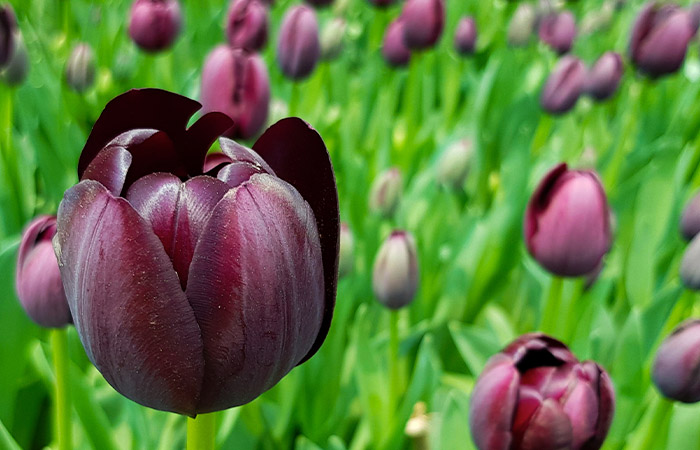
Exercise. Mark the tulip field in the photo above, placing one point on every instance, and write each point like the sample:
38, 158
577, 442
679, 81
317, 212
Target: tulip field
480, 235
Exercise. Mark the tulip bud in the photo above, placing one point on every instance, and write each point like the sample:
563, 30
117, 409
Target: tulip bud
319, 3
154, 24
536, 394
690, 265
332, 39
598, 19
694, 13
558, 31
453, 165
567, 222
690, 220
385, 193
382, 3
465, 36
16, 70
660, 38
395, 274
346, 260
236, 83
395, 52
423, 23
298, 48
38, 279
677, 363
564, 86
8, 34
522, 25
246, 25
604, 78
80, 68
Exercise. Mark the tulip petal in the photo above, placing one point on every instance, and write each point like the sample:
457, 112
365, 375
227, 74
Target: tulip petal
214, 162
238, 172
548, 429
256, 287
110, 168
127, 304
297, 154
581, 405
606, 409
200, 136
239, 153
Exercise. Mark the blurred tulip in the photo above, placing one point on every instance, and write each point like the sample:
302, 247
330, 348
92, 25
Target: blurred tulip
236, 83
154, 24
319, 3
246, 25
423, 21
346, 260
385, 192
332, 39
564, 85
208, 288
535, 394
660, 39
567, 222
395, 273
382, 3
694, 13
17, 69
677, 363
80, 68
298, 48
521, 25
8, 34
558, 30
37, 278
454, 164
465, 36
690, 265
395, 52
598, 19
604, 78
690, 220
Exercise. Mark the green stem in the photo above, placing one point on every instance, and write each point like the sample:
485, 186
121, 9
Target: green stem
59, 344
394, 390
201, 432
625, 140
550, 312
294, 99
656, 428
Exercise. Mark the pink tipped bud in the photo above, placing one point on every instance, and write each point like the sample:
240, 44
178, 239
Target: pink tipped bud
465, 36
604, 78
385, 192
395, 274
558, 30
154, 24
394, 50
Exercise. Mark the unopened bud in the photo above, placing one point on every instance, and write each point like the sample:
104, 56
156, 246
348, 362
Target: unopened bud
80, 68
395, 274
385, 192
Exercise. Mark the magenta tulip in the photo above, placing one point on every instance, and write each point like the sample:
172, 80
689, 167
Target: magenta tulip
604, 77
423, 23
246, 25
8, 34
154, 24
558, 30
298, 48
564, 86
465, 36
394, 51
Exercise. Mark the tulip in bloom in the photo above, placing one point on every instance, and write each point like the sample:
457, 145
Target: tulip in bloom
194, 292
154, 24
604, 78
564, 86
395, 273
246, 25
677, 364
465, 36
236, 83
558, 30
394, 51
298, 48
567, 222
522, 25
535, 394
37, 278
80, 68
423, 23
385, 192
690, 220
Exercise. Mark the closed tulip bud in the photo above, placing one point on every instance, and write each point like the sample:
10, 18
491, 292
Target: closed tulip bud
395, 273
465, 36
208, 287
298, 48
8, 34
604, 78
154, 24
690, 265
394, 51
236, 83
80, 68
382, 3
677, 364
536, 394
521, 25
564, 86
558, 30
660, 38
423, 23
690, 220
246, 25
385, 193
37, 278
346, 261
319, 3
567, 222
454, 164
17, 69
332, 39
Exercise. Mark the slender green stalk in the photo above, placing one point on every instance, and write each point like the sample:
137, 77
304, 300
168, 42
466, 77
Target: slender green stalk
201, 432
394, 388
550, 312
655, 426
6, 440
59, 345
294, 99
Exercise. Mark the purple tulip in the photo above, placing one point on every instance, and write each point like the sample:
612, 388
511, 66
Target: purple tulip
17, 68
423, 23
465, 36
236, 83
298, 48
690, 220
395, 52
385, 192
8, 34
564, 86
382, 3
37, 278
536, 394
80, 68
154, 24
604, 78
690, 265
246, 25
194, 292
660, 39
558, 30
395, 273
677, 363
694, 13
567, 222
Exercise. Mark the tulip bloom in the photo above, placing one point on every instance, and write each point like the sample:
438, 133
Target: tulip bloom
236, 83
194, 292
395, 52
558, 31
423, 23
564, 86
465, 36
80, 68
567, 222
246, 25
690, 220
677, 363
395, 273
154, 24
298, 48
604, 78
37, 278
536, 394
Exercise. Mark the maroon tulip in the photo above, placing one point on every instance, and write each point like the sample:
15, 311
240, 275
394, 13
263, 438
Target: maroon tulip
558, 30
236, 83
80, 68
246, 25
395, 273
319, 3
194, 292
423, 23
567, 222
382, 3
690, 221
564, 86
37, 278
604, 78
465, 36
536, 394
154, 24
8, 34
677, 364
395, 52
298, 48
660, 39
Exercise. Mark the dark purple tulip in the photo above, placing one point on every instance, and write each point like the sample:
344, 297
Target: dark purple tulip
690, 221
17, 69
535, 394
660, 39
677, 363
194, 292
423, 23
694, 12
558, 30
246, 25
567, 222
37, 278
604, 77
395, 273
564, 85
382, 3
80, 68
298, 48
465, 36
154, 24
319, 3
236, 83
395, 52
8, 34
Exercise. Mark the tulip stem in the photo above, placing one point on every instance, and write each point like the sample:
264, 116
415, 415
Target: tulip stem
59, 345
393, 360
551, 305
201, 432
294, 99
